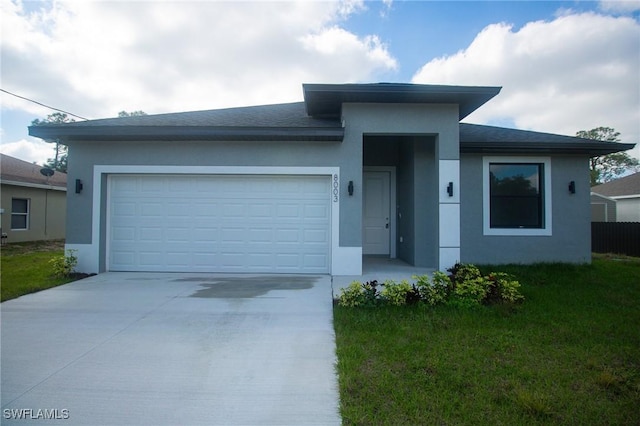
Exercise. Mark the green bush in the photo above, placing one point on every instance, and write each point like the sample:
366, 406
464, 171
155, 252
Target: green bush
63, 266
436, 291
470, 292
359, 294
396, 293
505, 288
352, 295
465, 287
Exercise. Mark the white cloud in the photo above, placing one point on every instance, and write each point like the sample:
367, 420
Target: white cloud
576, 72
34, 151
620, 6
98, 58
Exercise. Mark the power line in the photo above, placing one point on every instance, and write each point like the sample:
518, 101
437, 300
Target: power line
41, 104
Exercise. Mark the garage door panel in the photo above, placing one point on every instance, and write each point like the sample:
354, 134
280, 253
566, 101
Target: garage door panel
288, 211
320, 236
261, 235
151, 234
316, 211
315, 261
260, 210
219, 223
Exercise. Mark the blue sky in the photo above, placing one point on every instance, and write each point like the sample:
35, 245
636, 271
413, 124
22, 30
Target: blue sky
419, 31
563, 66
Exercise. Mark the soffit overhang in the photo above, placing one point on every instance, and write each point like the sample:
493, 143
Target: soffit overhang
326, 100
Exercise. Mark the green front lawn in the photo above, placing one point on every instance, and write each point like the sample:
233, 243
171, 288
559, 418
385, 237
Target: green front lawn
25, 268
570, 354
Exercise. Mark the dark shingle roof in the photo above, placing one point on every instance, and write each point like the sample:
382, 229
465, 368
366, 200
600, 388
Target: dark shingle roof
625, 186
267, 122
318, 119
490, 139
277, 115
14, 170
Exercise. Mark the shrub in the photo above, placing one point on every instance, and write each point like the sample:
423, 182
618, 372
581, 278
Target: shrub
505, 288
433, 292
396, 293
63, 266
464, 287
359, 294
470, 292
371, 293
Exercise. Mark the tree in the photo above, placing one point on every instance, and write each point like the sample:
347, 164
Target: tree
59, 162
607, 167
131, 114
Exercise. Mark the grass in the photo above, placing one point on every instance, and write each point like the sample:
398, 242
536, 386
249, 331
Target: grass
25, 268
570, 354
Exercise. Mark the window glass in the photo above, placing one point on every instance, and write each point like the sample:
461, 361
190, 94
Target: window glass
19, 205
516, 195
19, 213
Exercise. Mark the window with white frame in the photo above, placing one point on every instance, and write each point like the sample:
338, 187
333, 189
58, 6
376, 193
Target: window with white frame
517, 195
19, 213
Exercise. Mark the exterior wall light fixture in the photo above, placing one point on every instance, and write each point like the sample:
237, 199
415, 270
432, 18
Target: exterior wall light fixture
572, 187
450, 189
350, 188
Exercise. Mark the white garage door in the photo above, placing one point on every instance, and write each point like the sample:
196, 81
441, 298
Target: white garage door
219, 223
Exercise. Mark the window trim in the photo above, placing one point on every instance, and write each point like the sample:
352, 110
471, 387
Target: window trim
546, 230
27, 214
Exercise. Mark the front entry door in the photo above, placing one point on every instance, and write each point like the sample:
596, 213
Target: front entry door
376, 213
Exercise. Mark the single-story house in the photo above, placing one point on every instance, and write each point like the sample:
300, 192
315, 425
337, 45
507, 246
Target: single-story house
33, 205
626, 193
603, 208
311, 187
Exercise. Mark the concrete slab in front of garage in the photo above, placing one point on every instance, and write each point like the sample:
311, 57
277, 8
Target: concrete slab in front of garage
160, 348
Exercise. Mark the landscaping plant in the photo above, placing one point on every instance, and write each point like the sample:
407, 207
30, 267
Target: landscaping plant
464, 287
63, 266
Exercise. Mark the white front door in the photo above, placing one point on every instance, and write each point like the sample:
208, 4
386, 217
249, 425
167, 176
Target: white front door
376, 213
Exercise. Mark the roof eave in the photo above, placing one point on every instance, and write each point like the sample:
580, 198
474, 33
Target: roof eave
325, 100
33, 185
592, 149
175, 133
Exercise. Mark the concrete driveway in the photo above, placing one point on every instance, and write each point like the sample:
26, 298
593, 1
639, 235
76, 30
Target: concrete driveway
169, 349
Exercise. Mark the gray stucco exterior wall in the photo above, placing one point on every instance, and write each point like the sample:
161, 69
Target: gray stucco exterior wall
84, 156
571, 230
416, 192
426, 134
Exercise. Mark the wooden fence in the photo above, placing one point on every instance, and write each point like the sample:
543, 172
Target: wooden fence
616, 237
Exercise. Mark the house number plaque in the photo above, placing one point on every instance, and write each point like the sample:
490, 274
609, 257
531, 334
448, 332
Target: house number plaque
336, 188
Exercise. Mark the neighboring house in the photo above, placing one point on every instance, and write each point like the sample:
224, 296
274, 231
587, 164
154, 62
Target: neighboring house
310, 187
626, 192
33, 205
603, 209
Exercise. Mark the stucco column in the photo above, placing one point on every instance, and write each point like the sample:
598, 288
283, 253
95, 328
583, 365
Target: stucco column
449, 213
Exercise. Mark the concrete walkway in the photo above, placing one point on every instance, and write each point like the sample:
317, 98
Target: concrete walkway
380, 268
171, 349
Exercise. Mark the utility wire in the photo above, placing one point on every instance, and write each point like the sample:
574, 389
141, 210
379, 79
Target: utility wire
41, 104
